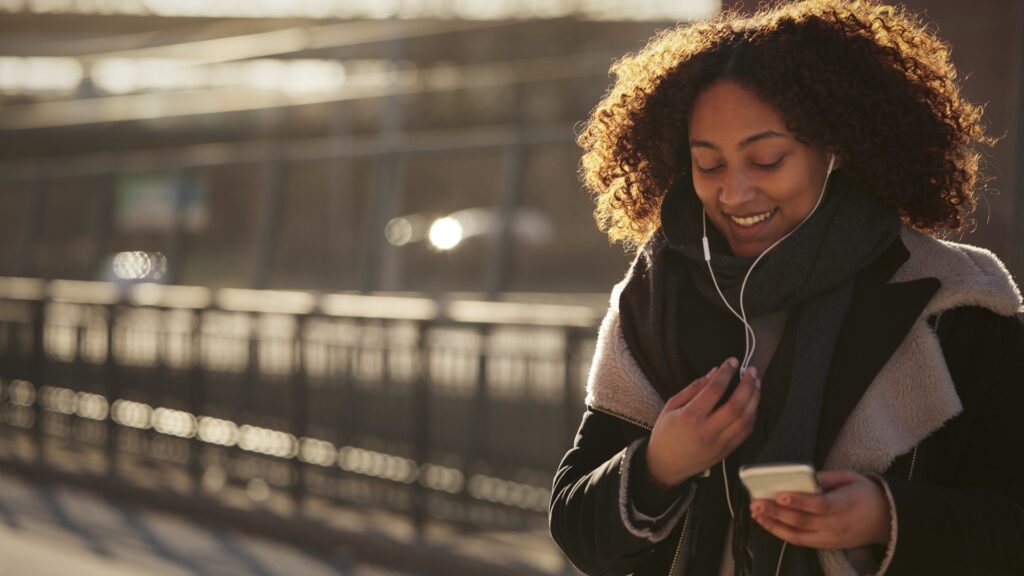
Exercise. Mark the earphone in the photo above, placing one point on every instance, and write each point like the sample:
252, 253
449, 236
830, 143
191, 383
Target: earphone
750, 341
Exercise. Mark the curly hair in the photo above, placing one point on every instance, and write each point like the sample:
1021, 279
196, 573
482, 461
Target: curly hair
855, 77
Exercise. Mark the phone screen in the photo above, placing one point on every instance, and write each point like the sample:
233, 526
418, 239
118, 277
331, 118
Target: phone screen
766, 481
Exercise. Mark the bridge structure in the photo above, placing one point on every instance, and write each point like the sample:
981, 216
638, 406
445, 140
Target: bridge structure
412, 433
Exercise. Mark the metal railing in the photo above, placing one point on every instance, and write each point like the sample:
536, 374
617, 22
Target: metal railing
454, 411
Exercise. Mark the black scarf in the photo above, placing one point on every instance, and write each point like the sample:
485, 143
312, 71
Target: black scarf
676, 327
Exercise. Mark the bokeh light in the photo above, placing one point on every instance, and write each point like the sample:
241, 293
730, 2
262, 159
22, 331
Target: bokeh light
445, 233
398, 231
140, 265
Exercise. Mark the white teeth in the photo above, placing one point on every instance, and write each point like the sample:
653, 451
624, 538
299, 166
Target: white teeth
751, 220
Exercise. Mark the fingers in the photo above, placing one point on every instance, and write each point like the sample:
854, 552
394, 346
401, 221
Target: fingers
851, 514
791, 517
737, 410
707, 398
810, 503
793, 535
684, 396
831, 479
795, 526
741, 428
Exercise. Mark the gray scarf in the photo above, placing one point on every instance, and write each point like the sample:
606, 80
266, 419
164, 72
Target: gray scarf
811, 271
849, 230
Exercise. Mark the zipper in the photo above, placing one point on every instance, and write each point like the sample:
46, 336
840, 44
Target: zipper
686, 520
913, 460
679, 546
627, 419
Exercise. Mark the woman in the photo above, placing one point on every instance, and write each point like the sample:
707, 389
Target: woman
785, 176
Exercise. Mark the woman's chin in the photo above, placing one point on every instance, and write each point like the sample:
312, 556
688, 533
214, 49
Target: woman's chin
751, 241
748, 249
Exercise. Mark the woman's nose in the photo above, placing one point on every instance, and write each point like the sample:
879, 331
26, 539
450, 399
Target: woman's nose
736, 189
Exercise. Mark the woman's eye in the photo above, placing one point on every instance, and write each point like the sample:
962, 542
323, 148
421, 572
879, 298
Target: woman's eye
770, 165
710, 170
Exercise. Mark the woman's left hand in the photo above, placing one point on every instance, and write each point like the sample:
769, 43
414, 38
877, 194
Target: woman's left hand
852, 511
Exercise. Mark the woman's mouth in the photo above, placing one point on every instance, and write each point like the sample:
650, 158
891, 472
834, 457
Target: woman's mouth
752, 219
751, 224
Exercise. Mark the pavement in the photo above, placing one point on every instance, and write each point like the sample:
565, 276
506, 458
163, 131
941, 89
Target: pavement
58, 530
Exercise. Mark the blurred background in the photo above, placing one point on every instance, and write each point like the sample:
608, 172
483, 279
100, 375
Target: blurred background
311, 286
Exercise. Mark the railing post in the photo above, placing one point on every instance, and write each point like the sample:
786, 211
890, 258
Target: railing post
37, 374
8, 360
196, 400
570, 401
155, 389
113, 392
300, 411
421, 430
478, 418
80, 368
247, 403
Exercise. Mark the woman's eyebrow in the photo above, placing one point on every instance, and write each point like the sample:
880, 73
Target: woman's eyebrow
743, 144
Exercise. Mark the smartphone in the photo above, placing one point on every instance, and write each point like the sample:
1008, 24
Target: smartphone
765, 481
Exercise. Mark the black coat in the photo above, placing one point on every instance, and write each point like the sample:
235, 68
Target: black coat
959, 495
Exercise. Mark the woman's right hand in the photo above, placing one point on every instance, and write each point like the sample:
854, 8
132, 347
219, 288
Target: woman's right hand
690, 435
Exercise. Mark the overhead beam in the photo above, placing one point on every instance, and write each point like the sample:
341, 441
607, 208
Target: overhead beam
650, 10
291, 40
152, 106
297, 150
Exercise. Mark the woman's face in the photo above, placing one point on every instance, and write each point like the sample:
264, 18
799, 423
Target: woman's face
756, 181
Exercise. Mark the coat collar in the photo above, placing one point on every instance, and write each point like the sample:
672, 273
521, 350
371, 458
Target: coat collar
879, 317
909, 392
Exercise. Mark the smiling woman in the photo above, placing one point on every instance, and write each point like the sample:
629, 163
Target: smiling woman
785, 176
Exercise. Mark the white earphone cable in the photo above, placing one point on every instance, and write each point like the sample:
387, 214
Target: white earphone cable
750, 340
